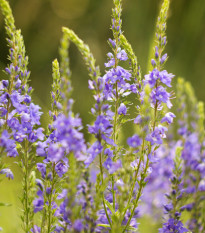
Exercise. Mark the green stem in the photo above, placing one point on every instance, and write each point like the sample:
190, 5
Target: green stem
101, 172
132, 188
113, 192
138, 195
141, 185
26, 176
50, 199
43, 220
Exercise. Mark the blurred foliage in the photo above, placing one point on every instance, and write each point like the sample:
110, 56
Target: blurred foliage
41, 22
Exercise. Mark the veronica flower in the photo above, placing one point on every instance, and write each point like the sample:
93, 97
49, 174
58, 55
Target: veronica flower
8, 173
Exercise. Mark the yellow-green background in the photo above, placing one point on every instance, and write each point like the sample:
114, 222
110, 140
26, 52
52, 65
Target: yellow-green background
41, 22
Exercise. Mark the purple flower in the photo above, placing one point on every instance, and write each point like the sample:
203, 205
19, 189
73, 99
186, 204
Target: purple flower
161, 95
138, 120
111, 166
48, 190
187, 207
59, 229
166, 78
36, 135
101, 125
41, 148
92, 152
168, 118
173, 225
157, 135
8, 144
111, 61
151, 78
134, 141
134, 164
42, 169
63, 194
61, 169
55, 152
5, 83
66, 138
122, 55
201, 187
122, 109
16, 99
168, 207
13, 123
36, 229
78, 225
108, 152
8, 172
112, 42
3, 111
201, 168
35, 114
38, 203
163, 59
153, 62
40, 184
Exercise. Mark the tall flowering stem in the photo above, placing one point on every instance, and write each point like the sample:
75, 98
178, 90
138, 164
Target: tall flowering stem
96, 84
191, 132
176, 198
53, 183
116, 28
20, 119
64, 148
158, 98
53, 170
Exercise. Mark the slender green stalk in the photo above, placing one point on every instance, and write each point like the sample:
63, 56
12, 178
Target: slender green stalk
103, 198
27, 189
139, 193
50, 200
135, 180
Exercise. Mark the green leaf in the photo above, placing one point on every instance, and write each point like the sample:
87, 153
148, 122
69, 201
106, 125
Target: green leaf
4, 204
104, 225
109, 206
104, 185
133, 229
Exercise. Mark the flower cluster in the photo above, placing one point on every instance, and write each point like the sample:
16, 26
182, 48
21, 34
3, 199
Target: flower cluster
19, 118
119, 175
176, 196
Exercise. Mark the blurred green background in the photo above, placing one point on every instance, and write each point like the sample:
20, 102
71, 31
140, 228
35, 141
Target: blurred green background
41, 22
